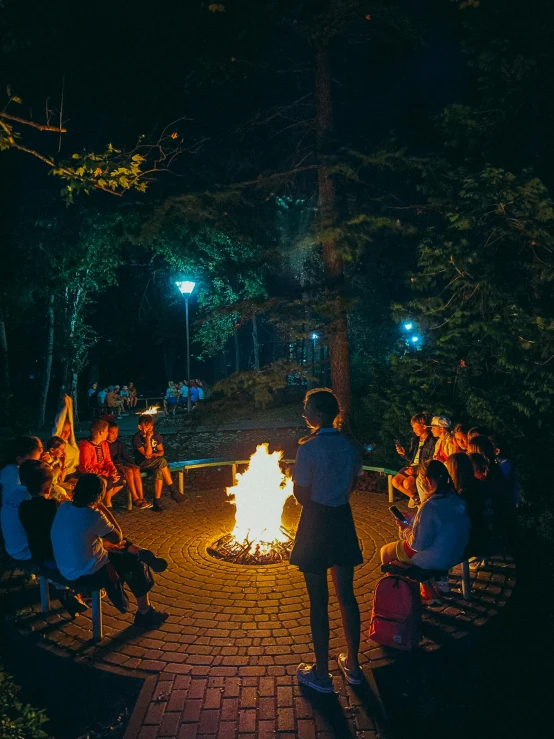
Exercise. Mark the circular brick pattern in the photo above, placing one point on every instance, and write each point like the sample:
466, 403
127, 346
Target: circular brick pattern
233, 620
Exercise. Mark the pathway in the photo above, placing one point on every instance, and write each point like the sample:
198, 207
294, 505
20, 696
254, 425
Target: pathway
223, 664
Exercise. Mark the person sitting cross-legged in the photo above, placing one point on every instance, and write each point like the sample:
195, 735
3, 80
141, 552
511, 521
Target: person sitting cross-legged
421, 450
91, 552
36, 515
126, 467
149, 455
95, 458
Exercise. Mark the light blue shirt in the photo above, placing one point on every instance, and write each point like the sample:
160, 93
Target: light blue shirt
440, 532
15, 538
327, 463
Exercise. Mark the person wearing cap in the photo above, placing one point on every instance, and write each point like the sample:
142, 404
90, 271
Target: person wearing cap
445, 444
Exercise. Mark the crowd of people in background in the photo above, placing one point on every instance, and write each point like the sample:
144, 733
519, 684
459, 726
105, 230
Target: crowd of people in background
121, 400
117, 399
177, 394
466, 495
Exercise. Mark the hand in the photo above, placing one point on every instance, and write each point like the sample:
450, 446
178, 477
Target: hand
409, 470
403, 526
400, 450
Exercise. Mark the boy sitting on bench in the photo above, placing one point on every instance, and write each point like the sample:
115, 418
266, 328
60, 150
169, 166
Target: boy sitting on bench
149, 455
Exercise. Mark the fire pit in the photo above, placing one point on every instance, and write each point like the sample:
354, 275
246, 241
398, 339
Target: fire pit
258, 538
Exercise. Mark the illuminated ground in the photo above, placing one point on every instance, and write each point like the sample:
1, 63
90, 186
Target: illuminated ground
224, 661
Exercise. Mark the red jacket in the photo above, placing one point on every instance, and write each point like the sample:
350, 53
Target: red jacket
96, 459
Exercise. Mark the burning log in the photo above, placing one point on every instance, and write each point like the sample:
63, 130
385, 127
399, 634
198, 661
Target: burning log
249, 552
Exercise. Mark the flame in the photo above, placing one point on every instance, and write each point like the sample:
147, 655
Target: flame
259, 496
151, 411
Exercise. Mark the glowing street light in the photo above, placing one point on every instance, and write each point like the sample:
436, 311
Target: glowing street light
408, 326
314, 336
415, 339
185, 288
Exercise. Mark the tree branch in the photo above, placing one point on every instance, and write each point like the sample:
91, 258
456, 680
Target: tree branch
39, 126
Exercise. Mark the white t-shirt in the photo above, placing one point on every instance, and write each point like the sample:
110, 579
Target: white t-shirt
15, 538
76, 540
9, 478
327, 463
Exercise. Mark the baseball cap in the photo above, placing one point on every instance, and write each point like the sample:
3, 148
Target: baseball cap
441, 421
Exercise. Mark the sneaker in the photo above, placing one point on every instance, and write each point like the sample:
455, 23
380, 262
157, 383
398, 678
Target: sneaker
354, 677
305, 675
414, 502
143, 504
152, 619
72, 602
158, 564
443, 585
157, 507
177, 496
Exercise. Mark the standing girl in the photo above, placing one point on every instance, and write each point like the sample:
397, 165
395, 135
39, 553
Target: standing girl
327, 465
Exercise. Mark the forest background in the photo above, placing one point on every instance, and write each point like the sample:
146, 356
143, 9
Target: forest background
327, 172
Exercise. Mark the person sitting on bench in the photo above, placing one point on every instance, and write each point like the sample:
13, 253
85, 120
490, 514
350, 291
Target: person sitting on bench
91, 552
24, 447
95, 459
36, 516
64, 427
421, 450
437, 537
149, 455
125, 466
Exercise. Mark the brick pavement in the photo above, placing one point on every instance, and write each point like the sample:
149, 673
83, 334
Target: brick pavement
223, 664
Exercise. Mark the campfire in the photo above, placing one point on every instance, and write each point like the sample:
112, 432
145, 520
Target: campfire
150, 411
258, 496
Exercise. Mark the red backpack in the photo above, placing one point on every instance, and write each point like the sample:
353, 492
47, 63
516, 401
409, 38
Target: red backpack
396, 613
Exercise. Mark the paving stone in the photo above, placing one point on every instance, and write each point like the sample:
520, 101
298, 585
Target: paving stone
235, 635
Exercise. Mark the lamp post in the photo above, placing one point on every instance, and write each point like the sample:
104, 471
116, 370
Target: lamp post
185, 288
314, 336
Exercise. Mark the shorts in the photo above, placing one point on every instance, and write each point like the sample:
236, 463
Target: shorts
325, 537
154, 465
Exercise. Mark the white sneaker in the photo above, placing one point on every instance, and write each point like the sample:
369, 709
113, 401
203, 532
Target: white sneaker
354, 677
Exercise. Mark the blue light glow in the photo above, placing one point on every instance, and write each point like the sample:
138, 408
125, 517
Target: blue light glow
408, 326
415, 339
314, 336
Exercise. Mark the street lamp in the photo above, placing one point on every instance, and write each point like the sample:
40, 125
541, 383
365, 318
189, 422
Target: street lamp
185, 288
314, 336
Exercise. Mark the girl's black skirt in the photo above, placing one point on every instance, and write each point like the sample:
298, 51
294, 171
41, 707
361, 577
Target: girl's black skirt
325, 537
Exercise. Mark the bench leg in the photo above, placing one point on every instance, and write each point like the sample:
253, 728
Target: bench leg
129, 500
466, 580
181, 476
234, 474
390, 488
44, 594
97, 615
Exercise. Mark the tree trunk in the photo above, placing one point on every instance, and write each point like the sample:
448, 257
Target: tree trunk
41, 417
255, 342
237, 352
73, 393
332, 258
5, 385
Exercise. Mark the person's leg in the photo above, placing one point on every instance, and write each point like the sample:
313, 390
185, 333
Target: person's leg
130, 480
343, 580
166, 474
137, 479
109, 495
398, 482
318, 593
158, 485
388, 553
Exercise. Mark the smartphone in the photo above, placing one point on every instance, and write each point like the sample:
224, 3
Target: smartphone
397, 513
